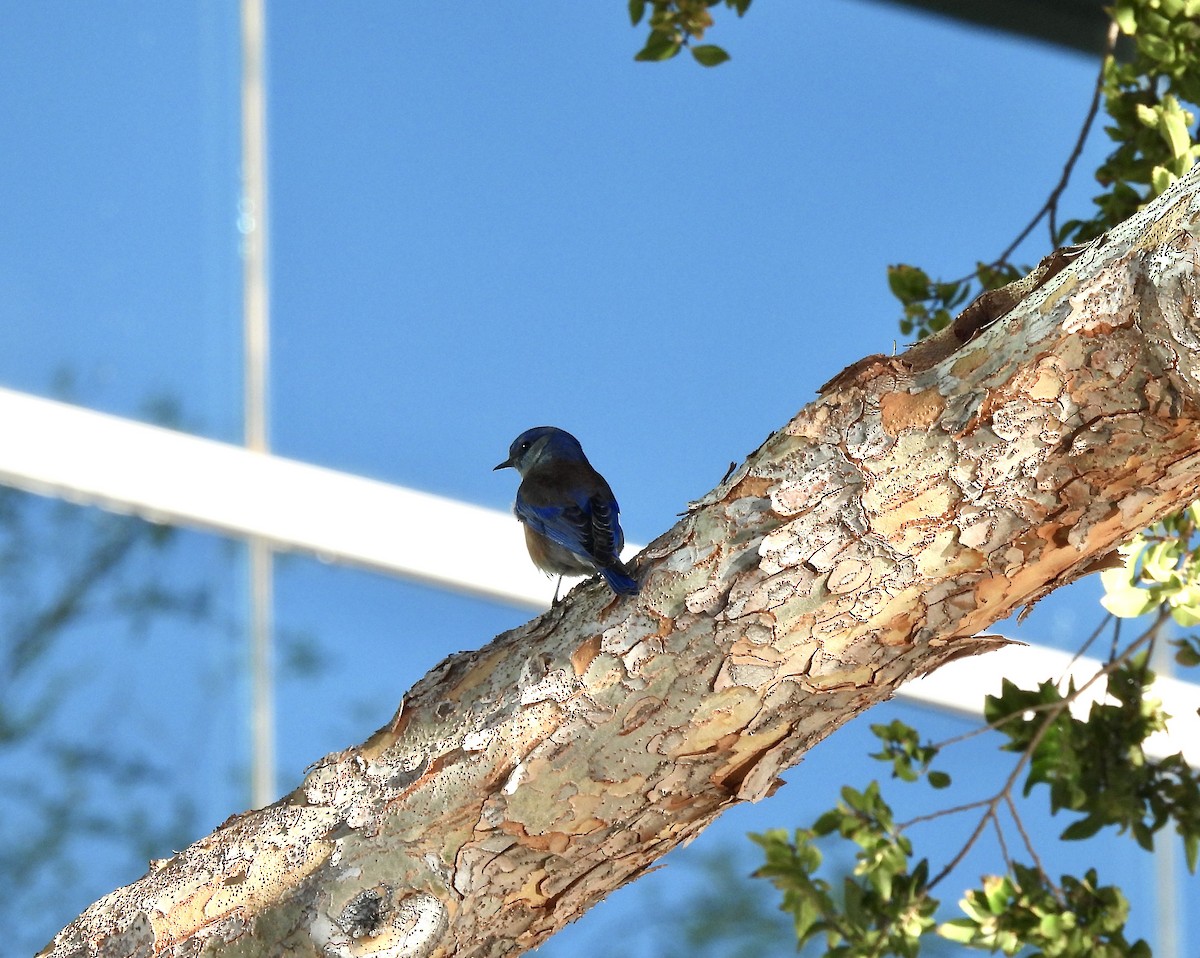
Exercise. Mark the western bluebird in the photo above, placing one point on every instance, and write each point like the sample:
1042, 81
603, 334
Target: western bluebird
568, 510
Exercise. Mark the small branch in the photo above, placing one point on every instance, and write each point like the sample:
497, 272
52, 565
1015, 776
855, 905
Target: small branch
1008, 863
1050, 207
1004, 792
1054, 710
1037, 861
1108, 616
992, 727
968, 845
1003, 720
1114, 661
943, 812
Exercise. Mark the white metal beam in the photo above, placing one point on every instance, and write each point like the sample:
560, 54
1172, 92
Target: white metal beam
89, 457
93, 458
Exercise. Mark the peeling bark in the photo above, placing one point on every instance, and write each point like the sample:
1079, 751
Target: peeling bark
918, 500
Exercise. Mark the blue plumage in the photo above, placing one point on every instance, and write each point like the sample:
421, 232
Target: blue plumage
571, 518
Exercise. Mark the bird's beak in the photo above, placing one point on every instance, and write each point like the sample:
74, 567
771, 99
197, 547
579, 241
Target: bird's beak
504, 465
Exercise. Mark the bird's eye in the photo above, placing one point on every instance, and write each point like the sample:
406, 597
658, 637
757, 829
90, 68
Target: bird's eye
525, 445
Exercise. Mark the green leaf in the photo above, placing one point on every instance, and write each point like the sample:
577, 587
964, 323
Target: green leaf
709, 55
975, 906
1157, 49
939, 779
1160, 179
1129, 603
1160, 560
1084, 828
852, 901
1117, 580
998, 891
1147, 115
961, 930
1185, 606
660, 46
907, 283
1126, 18
637, 10
1174, 128
1188, 653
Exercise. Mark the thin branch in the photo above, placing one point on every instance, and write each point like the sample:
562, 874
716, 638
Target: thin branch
1008, 862
1029, 847
943, 812
1005, 790
994, 725
1050, 207
1114, 661
1053, 710
967, 846
1082, 650
1002, 795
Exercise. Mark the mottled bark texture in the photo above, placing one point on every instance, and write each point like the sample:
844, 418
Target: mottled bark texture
919, 499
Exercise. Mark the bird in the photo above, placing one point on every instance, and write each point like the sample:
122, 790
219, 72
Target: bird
569, 512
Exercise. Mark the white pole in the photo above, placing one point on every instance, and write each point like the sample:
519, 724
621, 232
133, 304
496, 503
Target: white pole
253, 223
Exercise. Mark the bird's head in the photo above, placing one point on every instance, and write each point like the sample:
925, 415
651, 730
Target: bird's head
542, 444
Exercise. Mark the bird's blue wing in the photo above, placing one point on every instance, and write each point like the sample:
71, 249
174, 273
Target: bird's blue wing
567, 524
607, 538
571, 505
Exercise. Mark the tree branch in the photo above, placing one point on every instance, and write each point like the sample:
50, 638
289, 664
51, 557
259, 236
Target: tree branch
919, 499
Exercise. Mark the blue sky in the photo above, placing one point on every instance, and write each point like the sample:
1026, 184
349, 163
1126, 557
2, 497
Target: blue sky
485, 218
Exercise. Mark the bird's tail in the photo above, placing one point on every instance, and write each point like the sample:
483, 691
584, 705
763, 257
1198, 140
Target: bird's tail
620, 580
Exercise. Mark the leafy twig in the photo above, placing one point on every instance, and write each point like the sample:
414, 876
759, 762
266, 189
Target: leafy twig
1053, 710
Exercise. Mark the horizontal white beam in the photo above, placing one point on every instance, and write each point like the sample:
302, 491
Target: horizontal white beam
88, 457
93, 458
